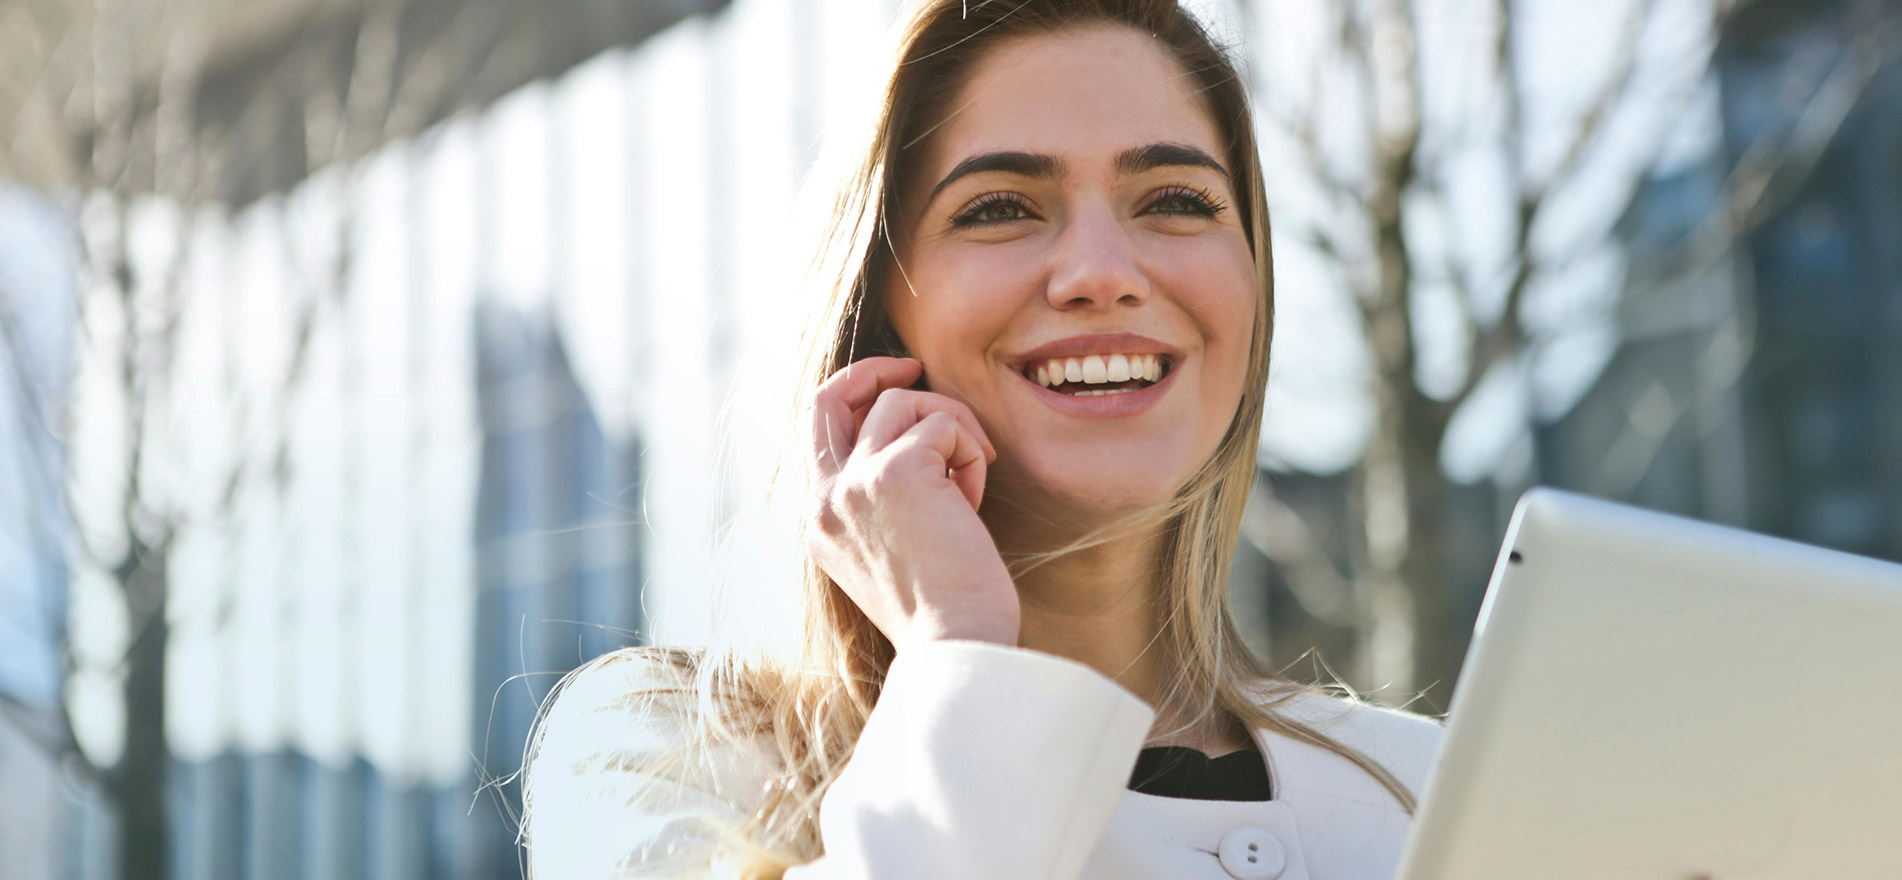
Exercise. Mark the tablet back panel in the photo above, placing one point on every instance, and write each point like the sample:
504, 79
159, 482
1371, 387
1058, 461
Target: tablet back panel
1653, 697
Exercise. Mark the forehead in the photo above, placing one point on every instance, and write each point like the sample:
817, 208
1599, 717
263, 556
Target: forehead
1082, 95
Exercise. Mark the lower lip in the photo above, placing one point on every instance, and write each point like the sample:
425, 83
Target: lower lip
1105, 406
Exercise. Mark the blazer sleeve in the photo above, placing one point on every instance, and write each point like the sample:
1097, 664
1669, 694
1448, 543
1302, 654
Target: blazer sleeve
981, 761
978, 761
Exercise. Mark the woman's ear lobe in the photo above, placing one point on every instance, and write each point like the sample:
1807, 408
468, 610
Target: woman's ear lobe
894, 346
891, 344
899, 350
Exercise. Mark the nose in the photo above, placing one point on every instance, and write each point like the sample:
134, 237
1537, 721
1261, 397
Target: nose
1093, 264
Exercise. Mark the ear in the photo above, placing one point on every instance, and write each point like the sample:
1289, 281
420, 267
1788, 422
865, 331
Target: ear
887, 342
892, 345
882, 336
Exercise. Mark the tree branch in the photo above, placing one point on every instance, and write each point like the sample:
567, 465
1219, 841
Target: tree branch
1773, 170
1592, 122
1505, 336
1656, 415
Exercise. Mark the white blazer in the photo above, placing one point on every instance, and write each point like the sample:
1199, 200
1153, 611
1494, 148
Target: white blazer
981, 762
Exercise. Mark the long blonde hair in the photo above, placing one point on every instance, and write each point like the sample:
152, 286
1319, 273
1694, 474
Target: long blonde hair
807, 710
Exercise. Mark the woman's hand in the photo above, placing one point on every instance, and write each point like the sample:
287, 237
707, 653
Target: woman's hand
898, 476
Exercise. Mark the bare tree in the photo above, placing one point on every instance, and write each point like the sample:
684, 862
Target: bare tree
129, 138
1396, 181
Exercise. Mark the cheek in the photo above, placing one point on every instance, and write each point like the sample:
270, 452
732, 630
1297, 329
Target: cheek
949, 311
1221, 296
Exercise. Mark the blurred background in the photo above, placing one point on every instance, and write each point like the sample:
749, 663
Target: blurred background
369, 363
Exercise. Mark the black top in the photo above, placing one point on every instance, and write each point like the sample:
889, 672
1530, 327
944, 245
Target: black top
1183, 772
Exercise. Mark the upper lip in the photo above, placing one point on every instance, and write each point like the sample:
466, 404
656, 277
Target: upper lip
1094, 343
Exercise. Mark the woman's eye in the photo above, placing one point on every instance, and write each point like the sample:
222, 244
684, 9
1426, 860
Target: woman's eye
1181, 200
992, 209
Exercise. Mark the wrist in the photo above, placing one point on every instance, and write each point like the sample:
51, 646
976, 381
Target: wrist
997, 629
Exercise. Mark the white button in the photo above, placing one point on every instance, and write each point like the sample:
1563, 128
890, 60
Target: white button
1253, 854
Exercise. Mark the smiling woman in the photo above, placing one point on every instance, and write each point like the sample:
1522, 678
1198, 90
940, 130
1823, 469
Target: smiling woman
1035, 395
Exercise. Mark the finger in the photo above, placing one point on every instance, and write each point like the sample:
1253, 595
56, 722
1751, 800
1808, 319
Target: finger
952, 450
898, 409
842, 400
861, 382
970, 481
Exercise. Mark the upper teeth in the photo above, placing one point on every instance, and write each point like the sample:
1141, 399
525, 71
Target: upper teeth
1097, 369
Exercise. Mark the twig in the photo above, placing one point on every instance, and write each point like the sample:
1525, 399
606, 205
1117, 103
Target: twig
1771, 171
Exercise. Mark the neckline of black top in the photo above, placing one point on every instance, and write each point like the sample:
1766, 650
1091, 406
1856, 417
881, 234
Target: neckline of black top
1183, 772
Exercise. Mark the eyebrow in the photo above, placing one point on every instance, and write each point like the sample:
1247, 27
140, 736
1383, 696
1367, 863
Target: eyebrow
1139, 159
1134, 160
1037, 165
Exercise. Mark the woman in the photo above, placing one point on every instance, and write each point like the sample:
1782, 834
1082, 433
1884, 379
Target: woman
1032, 425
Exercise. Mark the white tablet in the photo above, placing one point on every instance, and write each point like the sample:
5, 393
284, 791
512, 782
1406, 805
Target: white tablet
1653, 697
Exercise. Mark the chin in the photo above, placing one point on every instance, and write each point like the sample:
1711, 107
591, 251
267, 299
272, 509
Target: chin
1098, 485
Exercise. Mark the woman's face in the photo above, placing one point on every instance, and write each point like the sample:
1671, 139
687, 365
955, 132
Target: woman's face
1071, 233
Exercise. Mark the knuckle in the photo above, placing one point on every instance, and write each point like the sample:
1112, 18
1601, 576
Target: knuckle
894, 397
956, 407
827, 389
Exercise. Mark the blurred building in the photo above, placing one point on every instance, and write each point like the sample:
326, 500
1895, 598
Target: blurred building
37, 292
424, 521
553, 584
558, 580
457, 326
1762, 386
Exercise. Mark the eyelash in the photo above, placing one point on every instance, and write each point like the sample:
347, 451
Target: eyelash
1200, 204
969, 216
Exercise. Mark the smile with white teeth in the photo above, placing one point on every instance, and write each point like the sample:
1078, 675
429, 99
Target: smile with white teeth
1115, 373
